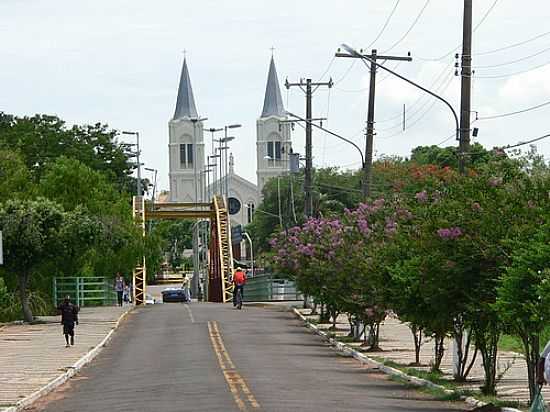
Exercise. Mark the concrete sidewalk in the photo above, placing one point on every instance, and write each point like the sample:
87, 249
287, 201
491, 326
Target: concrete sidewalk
33, 355
397, 345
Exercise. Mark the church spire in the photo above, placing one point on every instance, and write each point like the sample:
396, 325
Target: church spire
273, 102
185, 105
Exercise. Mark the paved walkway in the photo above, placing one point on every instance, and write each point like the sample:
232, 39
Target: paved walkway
397, 344
212, 357
33, 355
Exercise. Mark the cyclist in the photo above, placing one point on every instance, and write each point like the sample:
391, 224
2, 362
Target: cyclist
239, 280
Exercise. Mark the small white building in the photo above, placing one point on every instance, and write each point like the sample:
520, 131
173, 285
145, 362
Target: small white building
187, 151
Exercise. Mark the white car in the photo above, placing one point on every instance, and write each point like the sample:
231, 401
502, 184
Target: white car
149, 299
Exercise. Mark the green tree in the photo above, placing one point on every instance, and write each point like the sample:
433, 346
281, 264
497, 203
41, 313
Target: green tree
38, 233
524, 297
14, 175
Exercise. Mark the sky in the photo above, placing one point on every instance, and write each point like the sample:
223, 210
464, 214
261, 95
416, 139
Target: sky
118, 62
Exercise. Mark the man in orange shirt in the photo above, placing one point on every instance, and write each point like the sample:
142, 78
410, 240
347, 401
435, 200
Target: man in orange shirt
239, 280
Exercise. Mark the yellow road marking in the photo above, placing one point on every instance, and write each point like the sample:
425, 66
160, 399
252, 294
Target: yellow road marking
239, 389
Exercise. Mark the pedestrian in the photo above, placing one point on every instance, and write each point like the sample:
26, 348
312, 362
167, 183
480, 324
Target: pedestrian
126, 294
239, 280
69, 317
185, 287
119, 287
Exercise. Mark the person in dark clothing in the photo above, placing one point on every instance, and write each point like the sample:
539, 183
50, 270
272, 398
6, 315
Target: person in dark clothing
69, 317
119, 287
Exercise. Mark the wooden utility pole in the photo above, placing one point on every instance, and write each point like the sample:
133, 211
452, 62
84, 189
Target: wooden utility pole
367, 167
308, 181
466, 88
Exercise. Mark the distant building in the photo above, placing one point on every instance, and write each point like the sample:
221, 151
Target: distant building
187, 151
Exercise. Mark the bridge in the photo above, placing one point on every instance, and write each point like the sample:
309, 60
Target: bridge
220, 268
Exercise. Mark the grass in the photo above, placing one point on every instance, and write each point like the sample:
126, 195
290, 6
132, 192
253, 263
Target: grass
513, 343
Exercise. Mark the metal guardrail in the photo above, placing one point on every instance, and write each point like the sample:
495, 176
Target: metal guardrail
84, 291
269, 288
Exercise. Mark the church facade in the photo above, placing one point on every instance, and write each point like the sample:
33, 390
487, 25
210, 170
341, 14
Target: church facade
187, 152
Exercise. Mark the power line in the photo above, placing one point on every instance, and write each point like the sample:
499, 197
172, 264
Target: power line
527, 142
328, 68
513, 61
498, 116
450, 52
385, 24
511, 46
410, 28
501, 76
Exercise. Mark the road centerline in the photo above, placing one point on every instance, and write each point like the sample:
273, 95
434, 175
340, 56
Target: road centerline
237, 385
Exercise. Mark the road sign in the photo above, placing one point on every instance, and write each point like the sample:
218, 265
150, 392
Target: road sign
236, 234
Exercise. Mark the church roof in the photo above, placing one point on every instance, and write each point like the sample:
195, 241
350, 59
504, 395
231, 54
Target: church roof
185, 105
273, 102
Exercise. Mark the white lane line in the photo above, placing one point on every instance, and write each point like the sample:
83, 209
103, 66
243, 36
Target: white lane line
190, 313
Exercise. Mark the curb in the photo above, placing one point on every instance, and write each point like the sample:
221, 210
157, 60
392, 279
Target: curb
72, 370
361, 357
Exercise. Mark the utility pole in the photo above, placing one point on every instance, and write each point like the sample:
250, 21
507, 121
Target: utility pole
308, 181
466, 87
367, 166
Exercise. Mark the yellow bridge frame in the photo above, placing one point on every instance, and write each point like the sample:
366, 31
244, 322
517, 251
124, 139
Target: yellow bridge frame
220, 267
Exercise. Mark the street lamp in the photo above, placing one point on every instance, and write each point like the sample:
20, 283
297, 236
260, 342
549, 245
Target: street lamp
214, 165
225, 140
155, 171
354, 53
138, 152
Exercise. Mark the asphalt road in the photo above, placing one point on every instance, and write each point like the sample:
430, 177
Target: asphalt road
211, 357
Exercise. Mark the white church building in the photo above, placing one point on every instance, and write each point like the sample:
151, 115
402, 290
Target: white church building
188, 152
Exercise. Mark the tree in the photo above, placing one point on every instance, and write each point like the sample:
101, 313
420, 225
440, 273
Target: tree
524, 297
36, 234
41, 139
14, 175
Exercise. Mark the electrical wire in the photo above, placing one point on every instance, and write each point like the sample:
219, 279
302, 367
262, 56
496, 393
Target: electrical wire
328, 68
385, 24
417, 101
513, 61
498, 116
346, 72
502, 76
527, 142
410, 28
450, 52
511, 46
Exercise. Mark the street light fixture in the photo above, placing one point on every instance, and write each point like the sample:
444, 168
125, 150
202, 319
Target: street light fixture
137, 153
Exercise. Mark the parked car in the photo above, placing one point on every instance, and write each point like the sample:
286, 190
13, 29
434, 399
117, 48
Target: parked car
174, 295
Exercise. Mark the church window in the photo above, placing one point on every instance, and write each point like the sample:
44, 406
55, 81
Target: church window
186, 156
274, 152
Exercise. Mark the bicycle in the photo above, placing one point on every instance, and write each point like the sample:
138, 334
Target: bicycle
238, 298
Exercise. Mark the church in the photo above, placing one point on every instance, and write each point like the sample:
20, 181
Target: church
198, 170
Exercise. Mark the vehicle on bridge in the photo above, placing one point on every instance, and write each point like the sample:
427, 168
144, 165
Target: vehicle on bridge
174, 295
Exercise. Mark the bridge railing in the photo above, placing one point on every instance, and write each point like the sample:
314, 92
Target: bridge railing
84, 291
268, 288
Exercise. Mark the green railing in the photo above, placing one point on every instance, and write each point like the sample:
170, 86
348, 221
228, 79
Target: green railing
85, 291
267, 288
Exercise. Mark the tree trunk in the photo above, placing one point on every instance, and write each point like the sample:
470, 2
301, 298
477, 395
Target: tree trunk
532, 349
488, 352
23, 280
417, 336
439, 351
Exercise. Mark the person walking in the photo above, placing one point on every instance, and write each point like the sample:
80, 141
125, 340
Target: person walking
69, 317
185, 286
119, 287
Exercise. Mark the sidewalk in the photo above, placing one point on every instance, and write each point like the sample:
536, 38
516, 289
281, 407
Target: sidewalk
33, 355
397, 345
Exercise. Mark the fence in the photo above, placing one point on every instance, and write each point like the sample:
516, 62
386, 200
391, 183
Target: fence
266, 288
84, 291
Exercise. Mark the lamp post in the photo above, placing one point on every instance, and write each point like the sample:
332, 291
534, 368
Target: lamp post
225, 140
354, 53
214, 130
214, 174
138, 152
251, 251
155, 171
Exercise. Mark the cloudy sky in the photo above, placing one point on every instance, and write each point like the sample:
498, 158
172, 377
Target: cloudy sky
118, 62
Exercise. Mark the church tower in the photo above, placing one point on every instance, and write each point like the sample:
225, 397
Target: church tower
273, 143
186, 145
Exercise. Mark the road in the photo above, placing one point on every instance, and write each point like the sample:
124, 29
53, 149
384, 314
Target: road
211, 357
